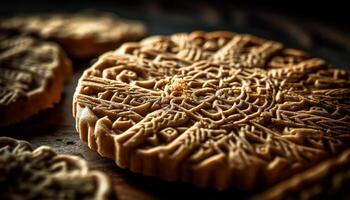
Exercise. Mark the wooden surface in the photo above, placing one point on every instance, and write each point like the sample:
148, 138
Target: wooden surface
55, 127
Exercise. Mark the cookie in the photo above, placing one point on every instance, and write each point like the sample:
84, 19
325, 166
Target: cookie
42, 174
32, 75
82, 35
328, 180
216, 109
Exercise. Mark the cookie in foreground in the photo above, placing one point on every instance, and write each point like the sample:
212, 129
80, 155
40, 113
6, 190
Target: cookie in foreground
32, 76
42, 174
215, 109
82, 35
327, 180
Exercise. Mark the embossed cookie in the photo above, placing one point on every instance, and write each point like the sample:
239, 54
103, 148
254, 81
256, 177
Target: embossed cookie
32, 75
215, 109
328, 180
82, 35
42, 174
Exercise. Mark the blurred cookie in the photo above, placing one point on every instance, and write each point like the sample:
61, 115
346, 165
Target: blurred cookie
215, 109
82, 35
32, 75
328, 180
42, 174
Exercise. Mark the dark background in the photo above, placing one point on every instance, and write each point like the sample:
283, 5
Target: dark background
321, 28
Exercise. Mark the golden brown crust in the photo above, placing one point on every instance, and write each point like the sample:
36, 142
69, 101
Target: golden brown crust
82, 35
42, 174
217, 108
32, 76
328, 180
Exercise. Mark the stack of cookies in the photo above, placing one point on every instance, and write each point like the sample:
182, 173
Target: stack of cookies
36, 51
216, 109
35, 63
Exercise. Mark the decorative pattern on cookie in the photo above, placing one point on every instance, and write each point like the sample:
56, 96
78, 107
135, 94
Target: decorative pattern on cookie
82, 35
328, 180
32, 75
42, 174
215, 109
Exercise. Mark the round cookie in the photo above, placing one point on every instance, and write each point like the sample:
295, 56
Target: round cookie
215, 109
82, 35
32, 75
42, 174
